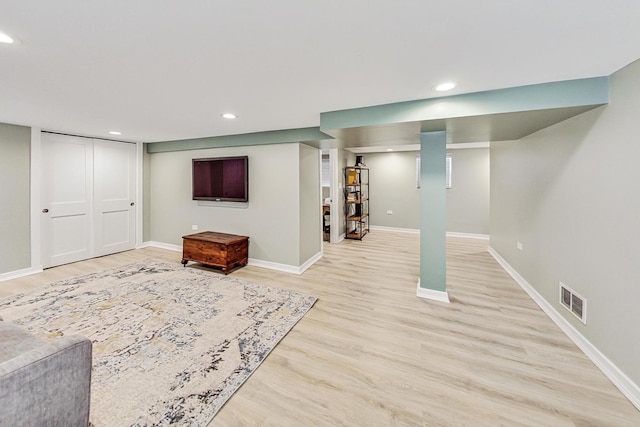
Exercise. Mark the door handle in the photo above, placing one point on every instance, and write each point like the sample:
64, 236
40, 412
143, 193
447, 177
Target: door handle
132, 203
45, 210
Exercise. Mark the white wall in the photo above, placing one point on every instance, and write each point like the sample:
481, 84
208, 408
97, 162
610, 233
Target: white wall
570, 194
271, 218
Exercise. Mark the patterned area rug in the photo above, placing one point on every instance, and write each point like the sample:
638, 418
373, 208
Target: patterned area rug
170, 344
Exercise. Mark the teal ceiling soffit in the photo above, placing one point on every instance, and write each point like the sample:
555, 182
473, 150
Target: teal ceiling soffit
570, 93
257, 138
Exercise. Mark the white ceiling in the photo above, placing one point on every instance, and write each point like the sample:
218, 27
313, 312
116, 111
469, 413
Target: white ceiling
164, 70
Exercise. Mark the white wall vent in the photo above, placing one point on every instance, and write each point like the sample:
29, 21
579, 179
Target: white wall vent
573, 302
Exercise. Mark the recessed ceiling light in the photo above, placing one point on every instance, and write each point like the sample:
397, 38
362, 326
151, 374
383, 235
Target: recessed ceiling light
442, 87
115, 132
5, 39
389, 149
229, 116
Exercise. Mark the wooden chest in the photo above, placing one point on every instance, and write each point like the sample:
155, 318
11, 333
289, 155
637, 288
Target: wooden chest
225, 251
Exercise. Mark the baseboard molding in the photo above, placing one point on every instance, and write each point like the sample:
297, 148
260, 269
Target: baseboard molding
286, 268
431, 294
417, 231
468, 235
19, 273
630, 389
311, 261
161, 245
394, 229
252, 261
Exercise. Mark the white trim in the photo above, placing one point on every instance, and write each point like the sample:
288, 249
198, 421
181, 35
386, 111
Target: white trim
341, 237
467, 235
286, 268
441, 296
630, 389
252, 261
334, 194
19, 273
321, 218
315, 258
394, 229
467, 145
161, 245
139, 192
414, 147
34, 189
416, 231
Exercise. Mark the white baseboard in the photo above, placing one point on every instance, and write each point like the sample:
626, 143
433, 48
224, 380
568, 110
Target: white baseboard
431, 294
468, 235
252, 261
398, 230
629, 388
417, 231
310, 262
19, 273
286, 268
161, 245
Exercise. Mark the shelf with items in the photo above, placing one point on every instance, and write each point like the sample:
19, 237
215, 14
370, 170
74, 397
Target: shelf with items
356, 187
357, 218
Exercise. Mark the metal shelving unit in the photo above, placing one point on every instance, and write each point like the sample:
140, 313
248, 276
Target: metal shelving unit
356, 188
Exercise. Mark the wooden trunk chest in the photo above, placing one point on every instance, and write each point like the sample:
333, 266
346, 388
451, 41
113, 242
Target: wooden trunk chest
225, 251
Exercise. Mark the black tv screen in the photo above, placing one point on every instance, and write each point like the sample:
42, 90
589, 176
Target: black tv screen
221, 179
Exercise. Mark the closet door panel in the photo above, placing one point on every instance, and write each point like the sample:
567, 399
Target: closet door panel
67, 199
114, 194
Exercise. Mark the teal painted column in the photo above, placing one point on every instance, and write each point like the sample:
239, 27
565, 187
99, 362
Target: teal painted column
433, 216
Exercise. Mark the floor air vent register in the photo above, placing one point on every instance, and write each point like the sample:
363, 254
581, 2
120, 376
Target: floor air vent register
573, 302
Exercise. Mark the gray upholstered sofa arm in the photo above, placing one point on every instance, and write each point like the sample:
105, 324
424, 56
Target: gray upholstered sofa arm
47, 384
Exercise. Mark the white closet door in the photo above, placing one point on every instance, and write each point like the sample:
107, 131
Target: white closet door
67, 199
88, 191
114, 196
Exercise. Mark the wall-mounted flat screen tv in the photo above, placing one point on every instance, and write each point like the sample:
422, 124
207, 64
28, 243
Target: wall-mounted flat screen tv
221, 179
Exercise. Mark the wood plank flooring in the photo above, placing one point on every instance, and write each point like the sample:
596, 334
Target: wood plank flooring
371, 353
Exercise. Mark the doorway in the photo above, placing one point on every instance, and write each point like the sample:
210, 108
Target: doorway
329, 191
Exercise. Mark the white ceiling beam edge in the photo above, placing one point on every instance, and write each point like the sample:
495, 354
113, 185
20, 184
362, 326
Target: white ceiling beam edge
415, 147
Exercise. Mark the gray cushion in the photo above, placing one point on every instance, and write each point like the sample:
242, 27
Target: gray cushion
15, 341
47, 384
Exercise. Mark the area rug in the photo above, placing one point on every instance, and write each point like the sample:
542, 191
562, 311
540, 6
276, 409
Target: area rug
170, 344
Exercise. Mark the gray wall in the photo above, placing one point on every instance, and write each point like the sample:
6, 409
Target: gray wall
569, 194
468, 197
393, 187
15, 240
310, 207
271, 218
146, 196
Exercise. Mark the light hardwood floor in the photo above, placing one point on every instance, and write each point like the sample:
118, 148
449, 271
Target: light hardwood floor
370, 353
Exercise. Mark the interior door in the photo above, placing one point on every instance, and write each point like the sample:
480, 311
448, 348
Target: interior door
114, 196
67, 199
